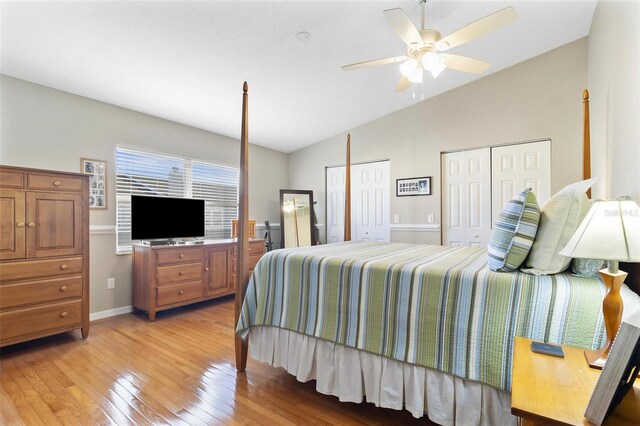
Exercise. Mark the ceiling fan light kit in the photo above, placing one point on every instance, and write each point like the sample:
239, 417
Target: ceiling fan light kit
423, 46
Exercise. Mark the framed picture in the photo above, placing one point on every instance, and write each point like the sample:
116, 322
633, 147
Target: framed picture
413, 186
97, 171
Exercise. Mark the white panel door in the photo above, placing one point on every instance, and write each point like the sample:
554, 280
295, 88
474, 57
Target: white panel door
335, 204
517, 167
466, 204
370, 202
370, 196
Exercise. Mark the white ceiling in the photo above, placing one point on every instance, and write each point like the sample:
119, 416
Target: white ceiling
186, 61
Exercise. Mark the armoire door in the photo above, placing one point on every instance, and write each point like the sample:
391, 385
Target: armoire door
54, 224
466, 203
12, 224
218, 269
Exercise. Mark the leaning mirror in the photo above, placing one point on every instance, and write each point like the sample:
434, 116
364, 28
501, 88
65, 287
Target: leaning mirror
296, 218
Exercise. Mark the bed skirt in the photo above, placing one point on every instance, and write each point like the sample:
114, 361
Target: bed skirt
353, 376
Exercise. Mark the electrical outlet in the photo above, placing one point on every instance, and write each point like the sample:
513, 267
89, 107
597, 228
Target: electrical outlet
431, 218
396, 218
111, 283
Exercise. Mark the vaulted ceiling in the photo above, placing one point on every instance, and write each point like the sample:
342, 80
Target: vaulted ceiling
186, 61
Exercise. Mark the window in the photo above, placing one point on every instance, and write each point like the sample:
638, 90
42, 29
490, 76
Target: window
147, 173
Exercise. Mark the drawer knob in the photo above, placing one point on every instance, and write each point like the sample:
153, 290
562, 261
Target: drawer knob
63, 288
181, 292
181, 256
180, 273
63, 315
64, 266
57, 183
206, 269
20, 224
31, 224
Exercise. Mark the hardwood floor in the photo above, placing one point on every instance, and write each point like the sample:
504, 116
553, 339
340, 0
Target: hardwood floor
177, 370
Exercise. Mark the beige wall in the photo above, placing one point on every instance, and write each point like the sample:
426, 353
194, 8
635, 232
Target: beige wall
50, 129
614, 85
537, 99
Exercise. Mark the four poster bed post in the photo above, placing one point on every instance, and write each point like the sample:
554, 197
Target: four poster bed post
243, 228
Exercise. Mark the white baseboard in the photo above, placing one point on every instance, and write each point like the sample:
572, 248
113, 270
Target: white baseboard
110, 313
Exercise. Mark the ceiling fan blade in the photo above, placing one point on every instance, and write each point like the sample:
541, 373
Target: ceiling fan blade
478, 28
464, 63
403, 84
403, 26
373, 63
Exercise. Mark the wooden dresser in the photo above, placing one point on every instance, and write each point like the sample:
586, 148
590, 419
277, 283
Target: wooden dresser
44, 253
165, 277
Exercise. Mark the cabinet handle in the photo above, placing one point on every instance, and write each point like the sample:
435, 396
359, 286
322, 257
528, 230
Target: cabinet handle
181, 256
63, 288
64, 266
180, 273
181, 292
63, 315
20, 224
206, 269
31, 224
57, 183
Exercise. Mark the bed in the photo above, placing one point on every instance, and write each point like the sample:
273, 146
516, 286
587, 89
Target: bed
426, 328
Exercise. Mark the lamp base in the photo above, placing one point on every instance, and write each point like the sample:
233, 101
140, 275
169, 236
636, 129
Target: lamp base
596, 359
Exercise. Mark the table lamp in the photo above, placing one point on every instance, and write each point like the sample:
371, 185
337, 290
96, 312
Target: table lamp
611, 232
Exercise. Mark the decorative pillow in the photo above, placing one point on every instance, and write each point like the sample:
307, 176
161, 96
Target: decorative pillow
514, 232
560, 217
587, 267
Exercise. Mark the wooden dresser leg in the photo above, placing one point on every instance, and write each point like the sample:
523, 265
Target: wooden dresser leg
85, 331
241, 354
152, 316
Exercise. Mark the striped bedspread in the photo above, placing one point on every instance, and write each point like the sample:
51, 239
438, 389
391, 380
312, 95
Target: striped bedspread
439, 307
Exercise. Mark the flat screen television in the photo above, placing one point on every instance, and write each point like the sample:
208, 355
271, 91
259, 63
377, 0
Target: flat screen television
155, 218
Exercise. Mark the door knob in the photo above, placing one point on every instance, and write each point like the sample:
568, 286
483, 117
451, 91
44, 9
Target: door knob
20, 224
475, 235
206, 269
31, 224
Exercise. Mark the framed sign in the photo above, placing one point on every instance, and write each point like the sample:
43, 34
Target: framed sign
413, 186
97, 171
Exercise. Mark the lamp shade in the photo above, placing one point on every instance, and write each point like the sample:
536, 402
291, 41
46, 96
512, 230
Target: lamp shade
610, 231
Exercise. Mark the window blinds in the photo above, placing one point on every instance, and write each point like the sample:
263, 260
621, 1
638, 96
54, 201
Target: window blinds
161, 175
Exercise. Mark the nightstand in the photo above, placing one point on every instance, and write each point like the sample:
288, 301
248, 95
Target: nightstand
555, 391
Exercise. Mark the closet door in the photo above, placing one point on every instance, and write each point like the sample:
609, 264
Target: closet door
466, 203
335, 204
517, 167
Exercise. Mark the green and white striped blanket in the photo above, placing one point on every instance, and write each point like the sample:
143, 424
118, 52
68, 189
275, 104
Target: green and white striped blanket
438, 307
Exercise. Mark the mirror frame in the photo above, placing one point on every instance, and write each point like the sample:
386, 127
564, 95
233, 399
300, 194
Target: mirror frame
312, 221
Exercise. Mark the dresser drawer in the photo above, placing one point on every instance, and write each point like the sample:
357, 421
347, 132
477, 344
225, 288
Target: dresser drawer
11, 180
39, 319
182, 272
54, 183
40, 268
254, 248
171, 294
179, 255
33, 292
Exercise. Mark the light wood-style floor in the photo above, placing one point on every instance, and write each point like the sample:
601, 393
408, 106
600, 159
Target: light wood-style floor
177, 370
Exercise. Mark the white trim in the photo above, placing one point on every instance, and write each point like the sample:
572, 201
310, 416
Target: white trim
110, 313
415, 227
102, 230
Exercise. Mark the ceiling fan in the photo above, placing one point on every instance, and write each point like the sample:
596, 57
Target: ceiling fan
424, 47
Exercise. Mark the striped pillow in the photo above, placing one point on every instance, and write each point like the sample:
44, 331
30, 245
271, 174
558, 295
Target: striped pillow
513, 232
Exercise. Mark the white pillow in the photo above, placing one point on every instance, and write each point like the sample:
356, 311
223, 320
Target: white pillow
560, 216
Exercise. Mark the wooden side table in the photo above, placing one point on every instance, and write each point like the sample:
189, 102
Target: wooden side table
555, 391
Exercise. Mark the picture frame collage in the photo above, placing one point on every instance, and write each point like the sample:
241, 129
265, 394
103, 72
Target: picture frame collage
413, 186
97, 171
